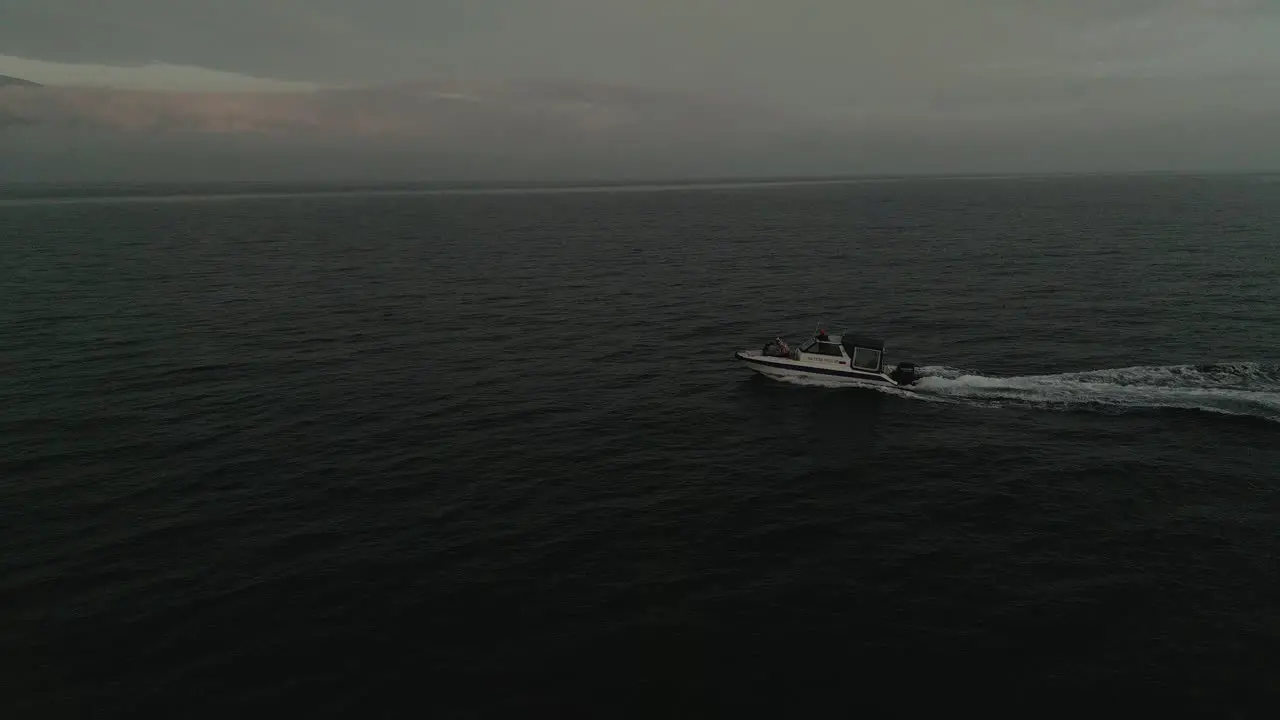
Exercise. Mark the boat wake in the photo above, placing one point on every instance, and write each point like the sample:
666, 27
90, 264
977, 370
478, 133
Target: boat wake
1248, 389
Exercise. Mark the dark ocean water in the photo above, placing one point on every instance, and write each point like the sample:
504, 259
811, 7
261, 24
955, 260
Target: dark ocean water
372, 454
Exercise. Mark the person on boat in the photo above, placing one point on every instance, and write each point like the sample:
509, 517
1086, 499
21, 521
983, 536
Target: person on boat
822, 335
777, 348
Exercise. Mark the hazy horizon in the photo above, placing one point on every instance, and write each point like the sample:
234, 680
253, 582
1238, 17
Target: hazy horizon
811, 87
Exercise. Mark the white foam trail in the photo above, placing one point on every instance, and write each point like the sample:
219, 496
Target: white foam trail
1239, 388
1250, 389
841, 384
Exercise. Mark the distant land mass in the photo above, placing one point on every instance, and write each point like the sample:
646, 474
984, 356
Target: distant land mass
422, 110
431, 129
469, 130
7, 81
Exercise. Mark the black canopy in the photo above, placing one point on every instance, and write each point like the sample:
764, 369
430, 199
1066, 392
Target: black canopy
862, 341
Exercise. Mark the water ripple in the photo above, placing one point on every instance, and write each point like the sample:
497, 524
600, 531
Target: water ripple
314, 452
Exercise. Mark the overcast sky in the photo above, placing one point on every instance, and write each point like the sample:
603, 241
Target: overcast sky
1200, 71
853, 55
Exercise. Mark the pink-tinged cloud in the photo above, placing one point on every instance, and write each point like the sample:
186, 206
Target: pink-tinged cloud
441, 110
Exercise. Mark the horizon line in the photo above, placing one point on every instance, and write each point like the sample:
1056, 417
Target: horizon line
181, 189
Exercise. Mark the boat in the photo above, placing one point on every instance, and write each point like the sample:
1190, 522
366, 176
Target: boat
856, 359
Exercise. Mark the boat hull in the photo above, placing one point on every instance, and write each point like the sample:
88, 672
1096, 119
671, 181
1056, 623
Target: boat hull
787, 369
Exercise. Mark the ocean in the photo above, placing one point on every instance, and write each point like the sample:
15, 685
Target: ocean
405, 452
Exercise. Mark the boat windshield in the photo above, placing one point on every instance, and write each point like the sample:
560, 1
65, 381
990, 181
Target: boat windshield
866, 359
823, 348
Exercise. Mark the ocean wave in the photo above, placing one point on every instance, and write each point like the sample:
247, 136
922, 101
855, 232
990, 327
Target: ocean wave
1246, 388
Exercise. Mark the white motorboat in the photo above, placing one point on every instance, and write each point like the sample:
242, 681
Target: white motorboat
854, 359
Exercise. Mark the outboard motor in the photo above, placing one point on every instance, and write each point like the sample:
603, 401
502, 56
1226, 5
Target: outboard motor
905, 373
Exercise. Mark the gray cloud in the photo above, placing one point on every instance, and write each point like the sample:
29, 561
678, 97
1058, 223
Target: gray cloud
811, 50
983, 69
